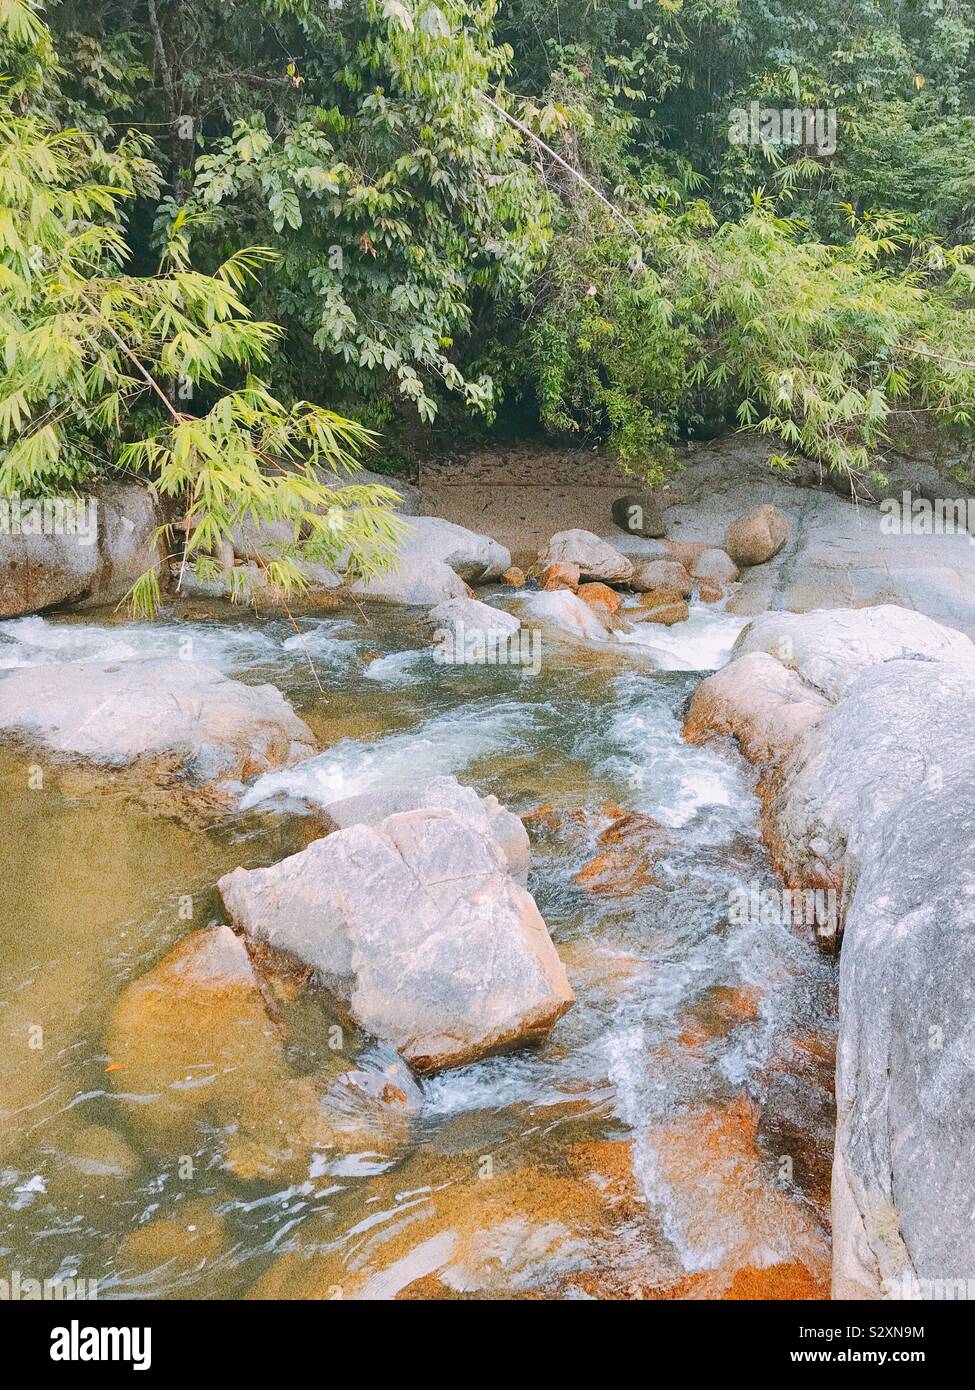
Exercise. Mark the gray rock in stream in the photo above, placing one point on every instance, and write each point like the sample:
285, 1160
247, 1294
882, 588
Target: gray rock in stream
475, 557
413, 582
417, 926
446, 794
118, 713
90, 551
875, 800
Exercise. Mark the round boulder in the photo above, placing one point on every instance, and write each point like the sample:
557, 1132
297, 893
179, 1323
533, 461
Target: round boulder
757, 536
639, 514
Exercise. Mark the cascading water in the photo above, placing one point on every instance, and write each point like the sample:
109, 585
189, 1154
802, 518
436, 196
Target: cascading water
668, 1129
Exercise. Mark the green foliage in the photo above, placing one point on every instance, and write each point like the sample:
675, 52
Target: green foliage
433, 178
86, 346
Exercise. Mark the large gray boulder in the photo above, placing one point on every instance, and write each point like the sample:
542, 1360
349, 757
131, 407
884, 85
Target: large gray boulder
475, 557
595, 558
831, 648
886, 739
413, 582
43, 571
417, 927
186, 713
84, 551
129, 517
409, 502
445, 794
873, 800
905, 1076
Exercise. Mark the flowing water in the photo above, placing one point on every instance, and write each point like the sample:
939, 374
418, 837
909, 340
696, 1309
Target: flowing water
674, 1128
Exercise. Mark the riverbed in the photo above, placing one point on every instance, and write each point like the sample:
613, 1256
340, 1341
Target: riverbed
671, 1137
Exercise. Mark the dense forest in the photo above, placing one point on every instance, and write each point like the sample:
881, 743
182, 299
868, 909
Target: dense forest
239, 238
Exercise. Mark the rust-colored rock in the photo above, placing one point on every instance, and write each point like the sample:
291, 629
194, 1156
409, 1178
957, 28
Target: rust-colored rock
623, 870
789, 1282
662, 598
710, 591
628, 827
514, 577
687, 553
722, 1196
760, 702
666, 613
560, 576
600, 596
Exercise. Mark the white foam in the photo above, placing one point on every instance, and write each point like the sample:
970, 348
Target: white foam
446, 743
399, 668
36, 641
702, 643
670, 779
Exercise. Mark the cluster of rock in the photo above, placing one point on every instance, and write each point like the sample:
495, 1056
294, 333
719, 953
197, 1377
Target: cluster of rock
665, 574
861, 724
412, 913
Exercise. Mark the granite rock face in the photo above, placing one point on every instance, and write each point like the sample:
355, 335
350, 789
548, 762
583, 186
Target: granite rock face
443, 793
119, 714
418, 928
82, 552
863, 726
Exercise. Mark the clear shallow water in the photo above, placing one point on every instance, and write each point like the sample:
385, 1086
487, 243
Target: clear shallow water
672, 1124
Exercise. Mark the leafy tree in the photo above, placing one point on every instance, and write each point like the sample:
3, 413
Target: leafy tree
87, 349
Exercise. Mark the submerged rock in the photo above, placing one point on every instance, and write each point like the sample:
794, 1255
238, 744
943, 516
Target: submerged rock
193, 1039
193, 1042
196, 1233
724, 1210
595, 558
418, 928
185, 713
